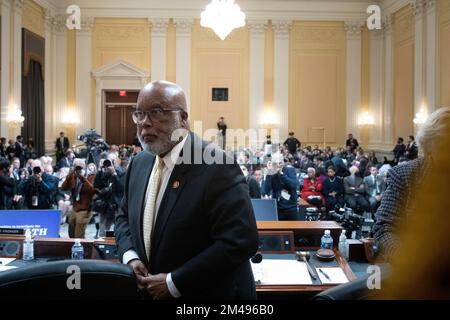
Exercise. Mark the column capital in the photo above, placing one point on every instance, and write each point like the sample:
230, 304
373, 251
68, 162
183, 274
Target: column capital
6, 4
418, 7
54, 22
18, 6
430, 6
353, 29
87, 24
281, 27
256, 27
183, 26
159, 26
387, 24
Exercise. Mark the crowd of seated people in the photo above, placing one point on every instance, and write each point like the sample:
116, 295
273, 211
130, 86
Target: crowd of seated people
81, 191
327, 179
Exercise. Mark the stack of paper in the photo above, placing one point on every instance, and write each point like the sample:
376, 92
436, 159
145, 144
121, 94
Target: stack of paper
4, 262
331, 275
279, 271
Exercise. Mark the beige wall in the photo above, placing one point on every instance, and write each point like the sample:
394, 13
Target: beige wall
403, 73
33, 17
120, 38
223, 64
444, 52
317, 81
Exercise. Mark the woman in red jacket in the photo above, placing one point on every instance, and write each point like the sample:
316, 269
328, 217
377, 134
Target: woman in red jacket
312, 186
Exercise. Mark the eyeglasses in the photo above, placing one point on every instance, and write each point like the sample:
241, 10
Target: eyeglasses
155, 114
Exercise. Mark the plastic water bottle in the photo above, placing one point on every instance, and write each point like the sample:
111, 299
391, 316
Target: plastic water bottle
77, 250
28, 246
343, 245
326, 241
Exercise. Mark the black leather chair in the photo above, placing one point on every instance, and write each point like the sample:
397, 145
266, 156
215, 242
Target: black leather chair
99, 280
353, 290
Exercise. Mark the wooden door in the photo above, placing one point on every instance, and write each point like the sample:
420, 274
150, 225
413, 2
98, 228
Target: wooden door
119, 125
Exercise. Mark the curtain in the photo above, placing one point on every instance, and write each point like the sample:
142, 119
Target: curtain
33, 107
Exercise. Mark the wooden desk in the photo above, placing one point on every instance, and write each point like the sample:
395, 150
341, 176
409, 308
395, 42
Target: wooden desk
290, 291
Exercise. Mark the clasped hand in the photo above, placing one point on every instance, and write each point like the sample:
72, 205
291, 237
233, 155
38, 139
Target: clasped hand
155, 285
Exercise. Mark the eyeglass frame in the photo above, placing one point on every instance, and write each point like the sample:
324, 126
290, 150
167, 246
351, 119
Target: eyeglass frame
148, 116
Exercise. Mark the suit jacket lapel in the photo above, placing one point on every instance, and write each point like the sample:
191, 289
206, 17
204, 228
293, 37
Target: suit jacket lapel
172, 193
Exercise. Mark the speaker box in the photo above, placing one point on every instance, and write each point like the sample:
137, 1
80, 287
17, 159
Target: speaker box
276, 241
11, 246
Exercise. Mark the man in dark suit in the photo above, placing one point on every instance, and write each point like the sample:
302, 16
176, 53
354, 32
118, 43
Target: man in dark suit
186, 224
61, 146
351, 142
375, 187
253, 187
411, 151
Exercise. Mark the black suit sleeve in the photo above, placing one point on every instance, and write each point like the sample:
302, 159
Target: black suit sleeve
232, 228
122, 228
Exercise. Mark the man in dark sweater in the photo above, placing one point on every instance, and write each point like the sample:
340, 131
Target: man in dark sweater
292, 143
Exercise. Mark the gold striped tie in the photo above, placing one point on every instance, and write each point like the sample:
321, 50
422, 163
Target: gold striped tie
150, 204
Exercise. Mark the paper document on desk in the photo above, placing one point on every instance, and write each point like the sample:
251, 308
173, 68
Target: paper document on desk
5, 268
335, 275
280, 271
5, 261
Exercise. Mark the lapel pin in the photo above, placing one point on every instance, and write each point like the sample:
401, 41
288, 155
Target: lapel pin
176, 184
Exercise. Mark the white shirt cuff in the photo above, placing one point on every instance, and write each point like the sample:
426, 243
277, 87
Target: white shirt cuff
129, 255
172, 289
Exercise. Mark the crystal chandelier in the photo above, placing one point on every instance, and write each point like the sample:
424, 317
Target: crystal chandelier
222, 16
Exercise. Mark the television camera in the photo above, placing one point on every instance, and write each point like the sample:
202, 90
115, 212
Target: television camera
95, 145
352, 222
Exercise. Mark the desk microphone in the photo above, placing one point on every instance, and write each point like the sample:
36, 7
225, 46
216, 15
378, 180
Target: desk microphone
257, 258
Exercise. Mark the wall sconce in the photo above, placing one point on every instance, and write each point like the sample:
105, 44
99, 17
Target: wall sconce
420, 117
269, 119
366, 119
70, 118
15, 118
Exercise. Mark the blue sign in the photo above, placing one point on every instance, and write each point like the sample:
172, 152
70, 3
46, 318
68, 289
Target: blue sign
42, 223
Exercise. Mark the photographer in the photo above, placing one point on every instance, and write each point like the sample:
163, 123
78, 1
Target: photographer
6, 181
82, 193
39, 189
110, 193
281, 182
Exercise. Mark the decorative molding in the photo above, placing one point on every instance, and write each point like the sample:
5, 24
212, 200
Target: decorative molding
120, 32
353, 29
318, 35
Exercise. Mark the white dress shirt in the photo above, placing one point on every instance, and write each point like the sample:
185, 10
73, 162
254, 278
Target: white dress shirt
170, 160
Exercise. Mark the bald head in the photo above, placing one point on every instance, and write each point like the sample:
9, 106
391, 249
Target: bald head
168, 93
164, 106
